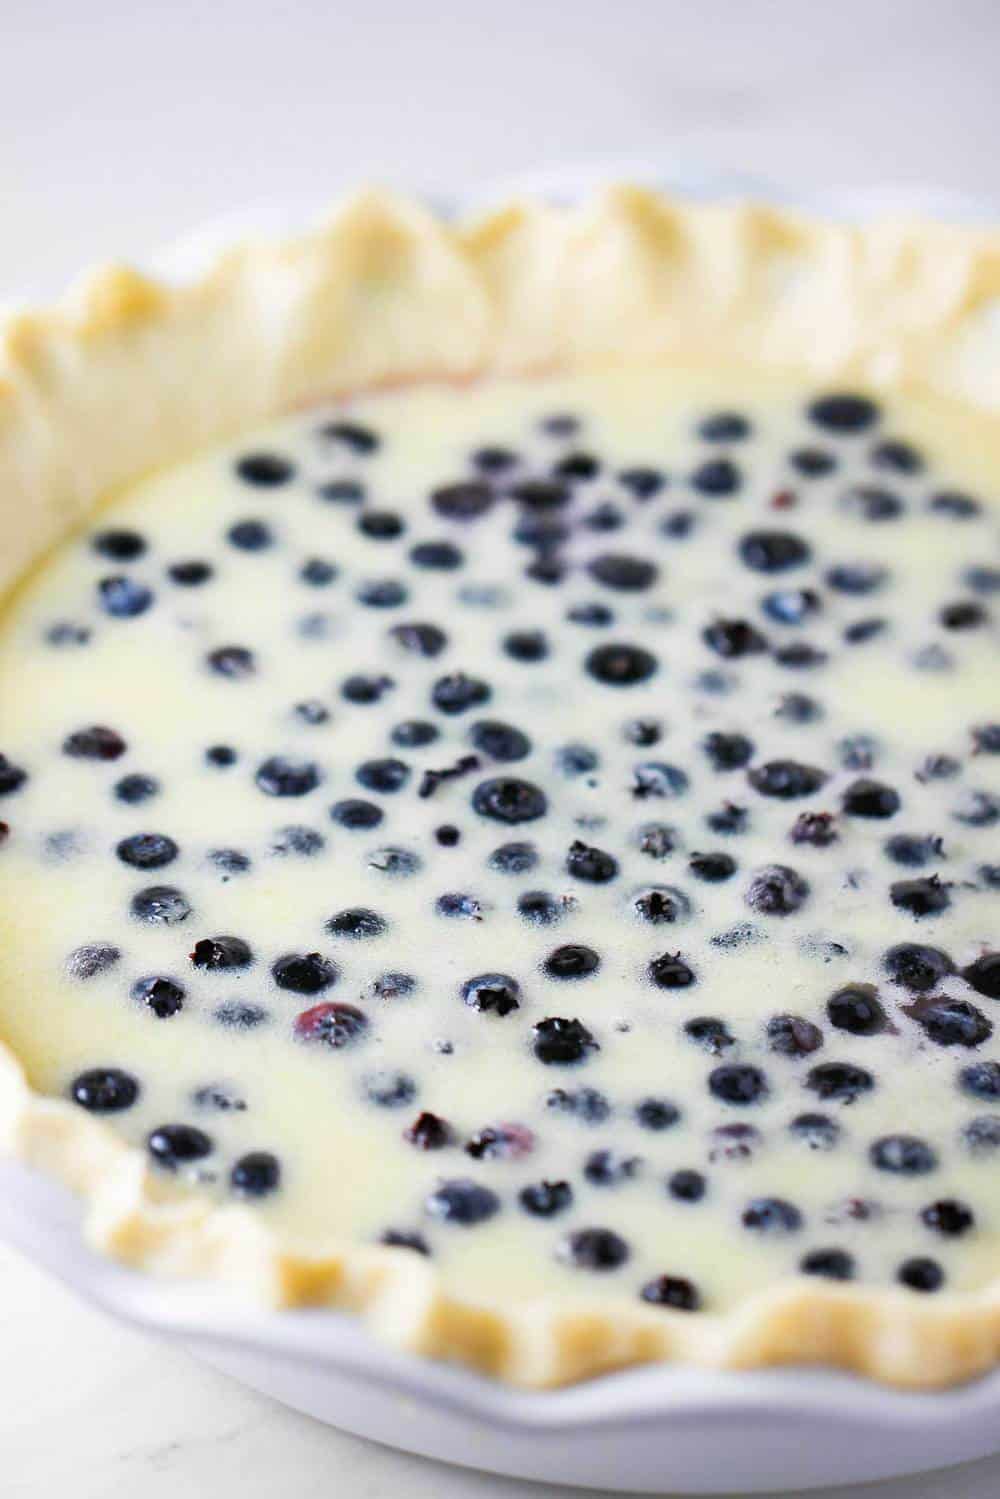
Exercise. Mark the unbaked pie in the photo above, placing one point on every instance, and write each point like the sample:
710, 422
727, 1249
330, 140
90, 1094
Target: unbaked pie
501, 780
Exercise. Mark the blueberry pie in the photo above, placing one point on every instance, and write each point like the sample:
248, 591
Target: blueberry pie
500, 782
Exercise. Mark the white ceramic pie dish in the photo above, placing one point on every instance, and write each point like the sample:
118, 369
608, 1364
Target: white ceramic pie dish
651, 1430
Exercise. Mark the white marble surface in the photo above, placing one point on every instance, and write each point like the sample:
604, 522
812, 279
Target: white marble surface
122, 125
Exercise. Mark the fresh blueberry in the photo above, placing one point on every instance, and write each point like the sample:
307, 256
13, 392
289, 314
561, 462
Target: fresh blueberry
104, 1090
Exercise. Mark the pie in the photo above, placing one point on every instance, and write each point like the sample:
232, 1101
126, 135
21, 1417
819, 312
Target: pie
501, 782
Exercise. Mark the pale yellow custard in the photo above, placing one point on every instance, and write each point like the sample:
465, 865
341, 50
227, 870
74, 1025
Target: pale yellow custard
702, 524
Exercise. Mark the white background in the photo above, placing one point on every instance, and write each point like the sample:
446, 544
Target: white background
123, 124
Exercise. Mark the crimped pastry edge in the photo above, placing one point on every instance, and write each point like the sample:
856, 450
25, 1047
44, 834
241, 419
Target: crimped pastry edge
129, 374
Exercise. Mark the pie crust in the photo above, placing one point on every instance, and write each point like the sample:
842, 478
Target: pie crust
385, 293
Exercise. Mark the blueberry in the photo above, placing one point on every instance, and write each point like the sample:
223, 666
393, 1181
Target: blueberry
839, 1080
164, 996
135, 788
92, 959
857, 1010
856, 578
656, 839
341, 491
266, 470
672, 1291
437, 556
123, 598
724, 426
921, 1274
456, 904
393, 986
949, 1022
661, 904
464, 501
710, 1033
593, 1249
593, 616
776, 890
771, 1215
229, 861
559, 1042
863, 630
505, 799
357, 922
643, 483
670, 971
608, 1168
429, 1132
965, 614
237, 1015
786, 779
317, 572
540, 908
256, 1174
219, 954
905, 1155
712, 867
800, 656
118, 545
64, 633
492, 993
576, 759
678, 524
727, 751
687, 1186
733, 639
912, 850
815, 828
389, 1090
147, 850
250, 536
869, 798
500, 741
737, 1083
593, 865
620, 665
526, 645
773, 551
462, 1201
514, 858
985, 580
233, 661
545, 1199
295, 839
982, 1136
381, 593
624, 572
981, 1080
312, 712
398, 863
162, 905
381, 525
920, 897
414, 733
812, 463
948, 1217
655, 778
954, 504
420, 639
984, 975
173, 1145
397, 1238
360, 440
791, 606
604, 517
586, 1104
96, 743
456, 693
362, 689
817, 1131
977, 809
843, 413
331, 1024
493, 460
793, 1036
447, 835
541, 494
386, 776
717, 478
104, 1090
830, 1264
916, 966
280, 776
221, 755
304, 973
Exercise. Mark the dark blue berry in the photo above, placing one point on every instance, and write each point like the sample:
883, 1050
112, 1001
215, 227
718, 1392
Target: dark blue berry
545, 1199
280, 776
905, 1155
267, 470
104, 1090
559, 1042
462, 1201
163, 996
174, 1145
505, 799
123, 598
256, 1174
162, 905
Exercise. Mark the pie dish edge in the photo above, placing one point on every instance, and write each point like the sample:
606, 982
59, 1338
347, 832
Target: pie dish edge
382, 293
